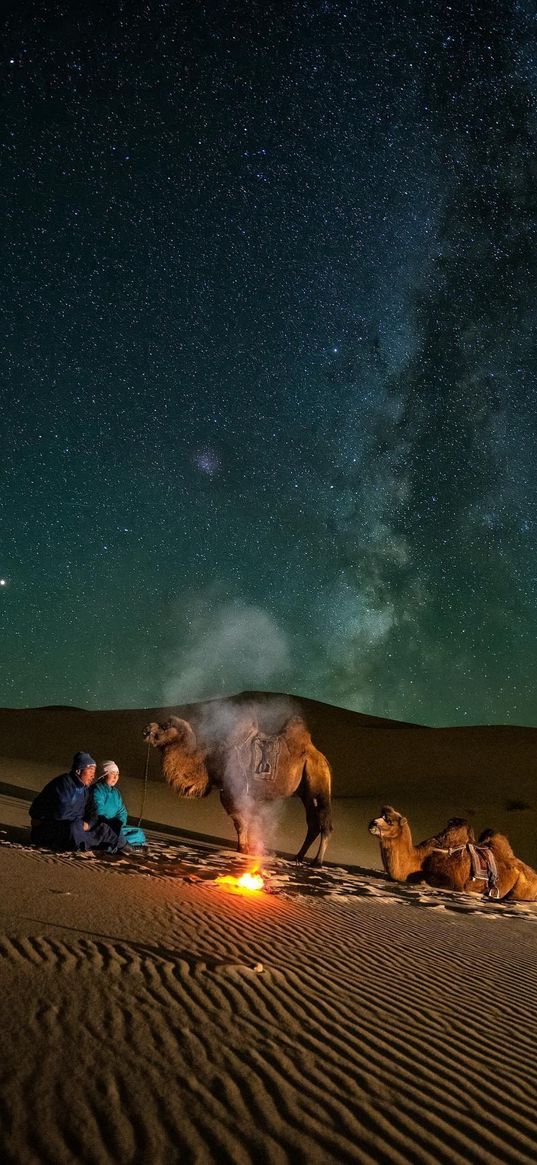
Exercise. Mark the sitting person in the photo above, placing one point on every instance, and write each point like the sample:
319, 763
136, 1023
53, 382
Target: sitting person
108, 804
61, 817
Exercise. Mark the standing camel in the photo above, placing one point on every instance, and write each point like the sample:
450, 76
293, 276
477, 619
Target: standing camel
250, 769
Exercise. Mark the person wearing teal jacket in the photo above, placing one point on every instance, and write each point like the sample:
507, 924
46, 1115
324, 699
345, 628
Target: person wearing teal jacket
108, 804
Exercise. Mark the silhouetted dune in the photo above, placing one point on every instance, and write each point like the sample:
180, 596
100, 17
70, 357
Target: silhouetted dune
367, 754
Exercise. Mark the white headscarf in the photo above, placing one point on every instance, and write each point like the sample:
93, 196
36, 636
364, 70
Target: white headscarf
108, 766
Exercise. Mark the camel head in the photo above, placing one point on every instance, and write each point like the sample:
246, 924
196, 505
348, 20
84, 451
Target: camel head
389, 825
151, 731
183, 763
171, 732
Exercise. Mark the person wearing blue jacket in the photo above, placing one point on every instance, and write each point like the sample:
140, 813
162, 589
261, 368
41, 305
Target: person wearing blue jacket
108, 804
61, 813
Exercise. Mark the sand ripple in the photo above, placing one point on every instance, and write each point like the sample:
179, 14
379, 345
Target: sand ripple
315, 1023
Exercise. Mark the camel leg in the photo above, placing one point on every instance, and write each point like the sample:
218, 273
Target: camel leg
239, 820
318, 820
314, 792
258, 828
515, 891
312, 833
243, 846
326, 829
325, 825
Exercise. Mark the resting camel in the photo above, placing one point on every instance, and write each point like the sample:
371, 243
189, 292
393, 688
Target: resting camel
452, 860
524, 888
250, 769
403, 860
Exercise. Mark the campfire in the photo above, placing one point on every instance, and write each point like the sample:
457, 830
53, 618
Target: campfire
250, 881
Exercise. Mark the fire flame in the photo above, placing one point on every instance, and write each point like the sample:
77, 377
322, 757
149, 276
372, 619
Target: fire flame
249, 881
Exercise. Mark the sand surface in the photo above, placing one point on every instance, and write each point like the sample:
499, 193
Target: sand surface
152, 1015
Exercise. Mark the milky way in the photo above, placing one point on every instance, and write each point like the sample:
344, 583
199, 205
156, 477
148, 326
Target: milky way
270, 291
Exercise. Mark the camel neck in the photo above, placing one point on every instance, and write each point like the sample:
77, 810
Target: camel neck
399, 855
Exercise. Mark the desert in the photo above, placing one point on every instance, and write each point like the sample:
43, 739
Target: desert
268, 589
152, 1012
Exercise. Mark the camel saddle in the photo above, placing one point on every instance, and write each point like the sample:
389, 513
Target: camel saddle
484, 868
259, 756
266, 754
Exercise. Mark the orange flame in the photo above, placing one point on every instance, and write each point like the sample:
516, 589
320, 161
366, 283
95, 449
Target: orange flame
248, 881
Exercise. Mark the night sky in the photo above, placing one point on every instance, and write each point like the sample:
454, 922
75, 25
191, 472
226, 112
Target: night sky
270, 354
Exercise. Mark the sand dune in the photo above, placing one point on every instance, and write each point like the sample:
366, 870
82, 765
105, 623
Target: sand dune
152, 1014
364, 751
156, 1016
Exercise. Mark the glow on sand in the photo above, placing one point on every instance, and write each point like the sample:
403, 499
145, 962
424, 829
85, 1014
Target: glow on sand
248, 882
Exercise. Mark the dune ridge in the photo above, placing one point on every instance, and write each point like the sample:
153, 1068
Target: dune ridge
363, 750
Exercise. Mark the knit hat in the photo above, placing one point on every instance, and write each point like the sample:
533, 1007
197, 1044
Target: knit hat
109, 766
81, 760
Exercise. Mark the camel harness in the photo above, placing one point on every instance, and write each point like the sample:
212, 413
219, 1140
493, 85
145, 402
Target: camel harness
144, 791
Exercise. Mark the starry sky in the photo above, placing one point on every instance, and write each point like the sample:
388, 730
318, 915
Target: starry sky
269, 354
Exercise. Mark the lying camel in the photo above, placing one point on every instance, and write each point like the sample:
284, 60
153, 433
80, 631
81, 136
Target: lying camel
403, 860
451, 860
524, 887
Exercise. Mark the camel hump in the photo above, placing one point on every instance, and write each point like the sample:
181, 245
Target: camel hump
242, 732
457, 832
498, 843
296, 733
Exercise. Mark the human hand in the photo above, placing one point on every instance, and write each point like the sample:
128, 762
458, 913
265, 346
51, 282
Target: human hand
85, 826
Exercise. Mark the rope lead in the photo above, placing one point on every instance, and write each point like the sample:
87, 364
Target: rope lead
145, 785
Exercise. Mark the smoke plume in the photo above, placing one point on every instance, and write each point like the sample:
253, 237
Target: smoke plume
225, 647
